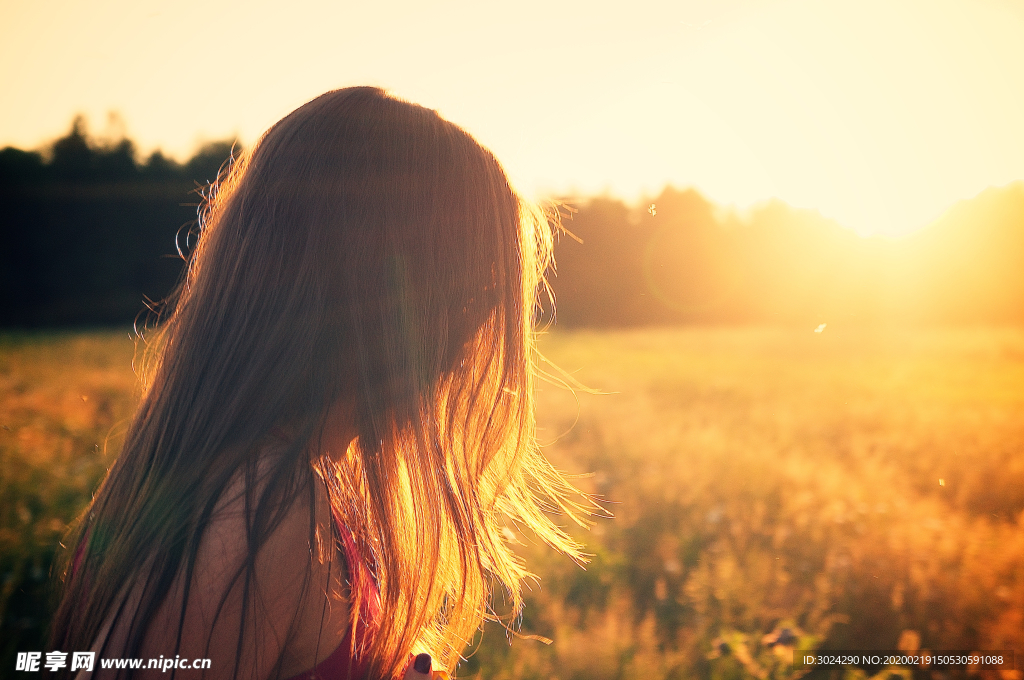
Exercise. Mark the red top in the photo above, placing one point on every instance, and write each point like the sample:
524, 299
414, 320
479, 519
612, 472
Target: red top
341, 664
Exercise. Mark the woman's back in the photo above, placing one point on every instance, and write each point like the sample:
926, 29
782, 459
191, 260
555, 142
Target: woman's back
302, 593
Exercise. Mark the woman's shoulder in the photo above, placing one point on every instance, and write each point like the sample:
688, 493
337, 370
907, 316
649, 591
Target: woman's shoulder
274, 604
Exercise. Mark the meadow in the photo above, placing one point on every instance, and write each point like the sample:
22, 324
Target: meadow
771, 489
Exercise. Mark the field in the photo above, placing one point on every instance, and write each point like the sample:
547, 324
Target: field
861, 489
62, 400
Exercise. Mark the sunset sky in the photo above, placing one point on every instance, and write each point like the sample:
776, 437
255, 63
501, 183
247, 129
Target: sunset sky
879, 113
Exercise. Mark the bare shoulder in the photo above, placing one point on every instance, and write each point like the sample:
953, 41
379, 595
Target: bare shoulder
274, 616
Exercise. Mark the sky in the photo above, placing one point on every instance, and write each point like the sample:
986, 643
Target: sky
878, 113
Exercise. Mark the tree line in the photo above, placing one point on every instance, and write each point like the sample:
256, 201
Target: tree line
92, 235
679, 258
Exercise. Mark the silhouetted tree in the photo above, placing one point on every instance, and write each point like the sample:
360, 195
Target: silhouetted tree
90, 236
678, 259
20, 167
71, 156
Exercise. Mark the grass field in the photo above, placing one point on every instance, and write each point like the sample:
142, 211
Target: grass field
62, 398
849, 486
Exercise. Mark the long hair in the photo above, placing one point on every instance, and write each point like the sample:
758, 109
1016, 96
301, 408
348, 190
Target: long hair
366, 252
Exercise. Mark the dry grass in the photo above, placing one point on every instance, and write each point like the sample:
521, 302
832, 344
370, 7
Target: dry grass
766, 478
62, 398
760, 479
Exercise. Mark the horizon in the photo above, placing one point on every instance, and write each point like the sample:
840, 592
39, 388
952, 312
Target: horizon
880, 116
115, 133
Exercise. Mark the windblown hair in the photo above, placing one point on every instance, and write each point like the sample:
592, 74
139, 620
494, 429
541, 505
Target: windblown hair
366, 251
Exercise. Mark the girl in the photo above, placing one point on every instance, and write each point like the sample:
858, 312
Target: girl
339, 421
